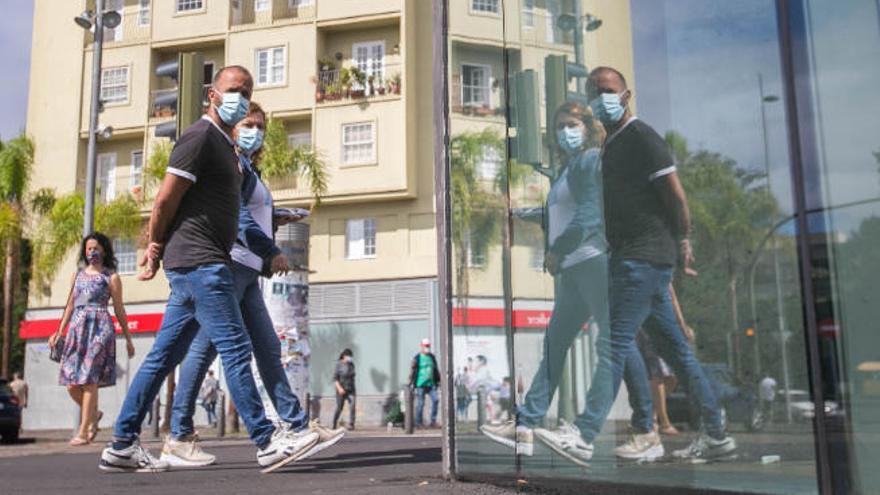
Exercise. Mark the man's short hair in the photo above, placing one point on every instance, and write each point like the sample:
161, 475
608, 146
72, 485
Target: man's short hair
220, 72
604, 68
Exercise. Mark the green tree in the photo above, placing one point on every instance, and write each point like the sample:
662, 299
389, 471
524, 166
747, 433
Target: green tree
280, 160
157, 163
16, 161
731, 211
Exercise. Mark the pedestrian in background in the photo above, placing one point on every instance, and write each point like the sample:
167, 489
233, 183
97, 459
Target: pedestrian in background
19, 389
424, 377
88, 361
208, 393
343, 380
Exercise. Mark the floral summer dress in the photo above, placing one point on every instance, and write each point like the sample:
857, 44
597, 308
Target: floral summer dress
90, 346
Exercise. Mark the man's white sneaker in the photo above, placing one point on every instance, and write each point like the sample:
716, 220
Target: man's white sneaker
567, 442
520, 438
186, 452
133, 459
641, 447
706, 448
285, 448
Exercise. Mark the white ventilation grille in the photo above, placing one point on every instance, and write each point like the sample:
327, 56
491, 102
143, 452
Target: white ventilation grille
370, 299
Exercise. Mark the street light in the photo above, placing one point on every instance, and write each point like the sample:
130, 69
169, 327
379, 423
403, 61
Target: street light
578, 23
780, 309
87, 20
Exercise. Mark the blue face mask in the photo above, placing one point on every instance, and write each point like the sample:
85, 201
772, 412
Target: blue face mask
570, 139
250, 139
233, 109
607, 108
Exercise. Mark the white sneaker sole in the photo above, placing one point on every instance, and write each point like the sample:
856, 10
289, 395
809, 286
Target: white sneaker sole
321, 446
110, 468
522, 448
580, 461
176, 461
287, 460
650, 455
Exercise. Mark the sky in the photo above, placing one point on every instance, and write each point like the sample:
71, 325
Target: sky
15, 57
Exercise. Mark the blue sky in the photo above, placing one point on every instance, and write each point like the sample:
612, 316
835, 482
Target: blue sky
15, 58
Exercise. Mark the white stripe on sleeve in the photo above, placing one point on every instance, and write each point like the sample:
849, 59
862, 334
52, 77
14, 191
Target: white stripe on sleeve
660, 173
181, 173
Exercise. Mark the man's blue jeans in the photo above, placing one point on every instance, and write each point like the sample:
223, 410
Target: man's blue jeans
640, 299
420, 403
200, 297
267, 351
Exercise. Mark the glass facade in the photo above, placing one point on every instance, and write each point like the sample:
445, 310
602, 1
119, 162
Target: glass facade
662, 219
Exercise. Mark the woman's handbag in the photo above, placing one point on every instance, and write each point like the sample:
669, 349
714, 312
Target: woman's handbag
57, 350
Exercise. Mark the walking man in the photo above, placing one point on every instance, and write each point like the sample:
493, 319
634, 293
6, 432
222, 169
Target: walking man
648, 226
424, 377
193, 226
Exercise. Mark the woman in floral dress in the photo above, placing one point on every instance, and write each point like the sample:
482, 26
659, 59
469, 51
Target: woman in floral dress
88, 361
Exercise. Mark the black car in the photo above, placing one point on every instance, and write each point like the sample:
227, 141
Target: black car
10, 413
740, 402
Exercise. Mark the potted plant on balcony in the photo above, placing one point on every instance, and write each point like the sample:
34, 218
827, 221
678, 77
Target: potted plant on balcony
483, 110
345, 81
359, 79
326, 63
395, 83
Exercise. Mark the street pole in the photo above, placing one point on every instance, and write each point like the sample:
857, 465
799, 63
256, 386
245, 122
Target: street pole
91, 157
780, 306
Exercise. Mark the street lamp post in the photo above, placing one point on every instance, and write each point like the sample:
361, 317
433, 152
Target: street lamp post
780, 309
86, 20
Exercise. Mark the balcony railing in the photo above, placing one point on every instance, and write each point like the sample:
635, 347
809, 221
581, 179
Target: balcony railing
338, 84
245, 12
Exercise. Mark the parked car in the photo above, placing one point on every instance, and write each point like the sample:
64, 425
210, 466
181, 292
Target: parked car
739, 401
10, 413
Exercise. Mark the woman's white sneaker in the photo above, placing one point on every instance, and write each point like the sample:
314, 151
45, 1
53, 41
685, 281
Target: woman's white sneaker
567, 442
186, 452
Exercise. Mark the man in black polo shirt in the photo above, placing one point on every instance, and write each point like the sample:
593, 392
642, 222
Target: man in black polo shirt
192, 229
647, 224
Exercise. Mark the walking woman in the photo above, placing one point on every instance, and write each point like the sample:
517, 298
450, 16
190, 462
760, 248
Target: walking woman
88, 361
577, 258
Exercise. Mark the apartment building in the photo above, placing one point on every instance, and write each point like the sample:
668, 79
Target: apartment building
373, 243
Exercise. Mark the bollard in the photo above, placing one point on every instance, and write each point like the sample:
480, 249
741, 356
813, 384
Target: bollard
481, 407
221, 418
309, 406
155, 419
409, 413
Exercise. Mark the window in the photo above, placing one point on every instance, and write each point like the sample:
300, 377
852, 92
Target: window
476, 255
189, 5
475, 85
270, 66
143, 18
114, 85
126, 256
261, 5
137, 168
294, 4
299, 139
360, 238
207, 81
490, 6
106, 176
490, 164
552, 32
358, 143
369, 58
528, 13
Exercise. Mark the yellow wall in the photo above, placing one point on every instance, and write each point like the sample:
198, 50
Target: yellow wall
169, 25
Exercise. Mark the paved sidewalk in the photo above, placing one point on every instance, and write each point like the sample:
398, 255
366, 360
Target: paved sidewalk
361, 464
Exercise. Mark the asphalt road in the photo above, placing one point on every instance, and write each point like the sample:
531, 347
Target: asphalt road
360, 465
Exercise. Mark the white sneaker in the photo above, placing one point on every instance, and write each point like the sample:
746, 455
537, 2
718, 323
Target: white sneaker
285, 448
134, 459
567, 442
706, 448
641, 447
520, 438
186, 452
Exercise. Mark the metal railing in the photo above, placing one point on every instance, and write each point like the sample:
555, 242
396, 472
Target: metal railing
334, 84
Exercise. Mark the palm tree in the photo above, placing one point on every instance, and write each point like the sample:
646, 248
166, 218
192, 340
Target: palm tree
16, 160
281, 160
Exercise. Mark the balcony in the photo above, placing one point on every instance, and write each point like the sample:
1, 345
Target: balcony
260, 13
351, 83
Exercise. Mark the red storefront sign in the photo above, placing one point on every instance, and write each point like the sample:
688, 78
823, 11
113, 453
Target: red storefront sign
494, 317
141, 323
